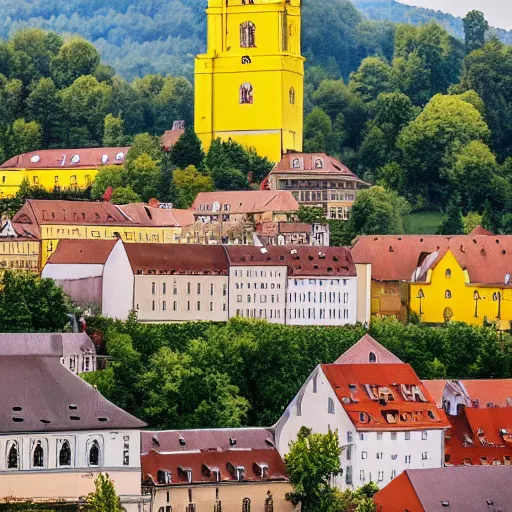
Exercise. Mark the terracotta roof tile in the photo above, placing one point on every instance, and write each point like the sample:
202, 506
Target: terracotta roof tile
495, 391
411, 406
247, 201
360, 353
177, 259
201, 463
436, 390
146, 215
479, 230
68, 158
82, 252
169, 138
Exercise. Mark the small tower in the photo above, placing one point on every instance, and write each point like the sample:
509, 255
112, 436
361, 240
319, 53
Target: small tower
249, 86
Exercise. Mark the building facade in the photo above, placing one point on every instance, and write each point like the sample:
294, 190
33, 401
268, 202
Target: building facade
317, 180
60, 432
386, 420
250, 82
57, 168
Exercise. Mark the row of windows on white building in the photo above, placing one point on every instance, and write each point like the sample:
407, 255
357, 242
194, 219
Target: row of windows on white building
65, 452
323, 297
198, 289
189, 305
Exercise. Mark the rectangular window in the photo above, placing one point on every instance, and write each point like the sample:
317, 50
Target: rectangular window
379, 436
36, 180
198, 288
189, 288
379, 455
361, 436
349, 452
249, 299
424, 456
364, 455
393, 474
349, 437
188, 305
424, 435
198, 305
393, 436
348, 475
380, 476
224, 290
394, 457
153, 305
211, 306
164, 305
361, 476
175, 306
153, 288
330, 406
315, 384
212, 289
126, 451
239, 298
407, 436
407, 459
175, 289
345, 298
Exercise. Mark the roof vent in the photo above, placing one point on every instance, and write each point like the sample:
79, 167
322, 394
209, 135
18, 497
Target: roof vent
489, 502
263, 250
181, 440
16, 419
119, 157
104, 159
74, 418
73, 407
103, 419
46, 422
321, 255
232, 441
155, 440
35, 159
445, 503
75, 159
17, 408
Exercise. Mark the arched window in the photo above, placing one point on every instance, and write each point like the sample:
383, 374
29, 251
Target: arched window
246, 94
372, 358
247, 34
94, 454
246, 505
38, 455
295, 165
447, 294
448, 314
13, 455
330, 406
319, 164
448, 273
269, 502
292, 96
65, 454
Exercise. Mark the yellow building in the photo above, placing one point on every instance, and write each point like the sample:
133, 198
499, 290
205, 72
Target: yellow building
250, 83
57, 168
40, 224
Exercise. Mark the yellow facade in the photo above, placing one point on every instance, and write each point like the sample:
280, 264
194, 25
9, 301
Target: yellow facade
19, 254
249, 86
11, 179
448, 295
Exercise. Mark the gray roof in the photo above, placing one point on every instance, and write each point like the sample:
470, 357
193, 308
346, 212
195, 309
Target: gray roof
465, 488
45, 344
40, 395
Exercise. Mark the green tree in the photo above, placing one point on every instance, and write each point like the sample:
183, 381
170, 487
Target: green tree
471, 221
109, 176
143, 176
311, 215
475, 27
310, 464
143, 143
124, 195
77, 57
25, 137
113, 131
453, 223
188, 150
104, 498
317, 131
229, 179
374, 76
187, 183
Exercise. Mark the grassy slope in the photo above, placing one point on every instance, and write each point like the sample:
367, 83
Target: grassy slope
422, 223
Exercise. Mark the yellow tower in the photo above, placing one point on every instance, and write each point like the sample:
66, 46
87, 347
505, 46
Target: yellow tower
249, 86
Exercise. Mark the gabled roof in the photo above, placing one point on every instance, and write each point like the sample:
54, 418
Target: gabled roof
40, 395
90, 158
177, 259
202, 466
360, 353
82, 252
170, 137
492, 391
384, 397
436, 389
479, 230
244, 202
464, 489
316, 163
143, 214
167, 441
300, 260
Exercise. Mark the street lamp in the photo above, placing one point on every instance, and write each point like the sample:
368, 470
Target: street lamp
420, 296
476, 298
496, 297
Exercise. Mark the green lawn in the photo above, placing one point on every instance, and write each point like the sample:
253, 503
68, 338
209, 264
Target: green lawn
422, 223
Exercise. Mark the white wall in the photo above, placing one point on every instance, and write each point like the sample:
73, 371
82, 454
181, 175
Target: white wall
314, 414
118, 284
321, 301
364, 292
71, 272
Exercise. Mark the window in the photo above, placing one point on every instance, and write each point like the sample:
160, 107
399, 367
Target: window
407, 436
126, 451
364, 455
361, 476
212, 289
292, 96
246, 505
393, 474
349, 437
72, 181
407, 459
164, 305
189, 288
198, 288
164, 288
393, 436
447, 294
361, 436
153, 288
448, 273
35, 180
315, 384
424, 456
239, 298
65, 454
372, 357
348, 476
379, 455
175, 306
246, 94
94, 454
247, 34
13, 455
349, 452
380, 477
394, 457
299, 406
330, 406
424, 435
153, 305
379, 436
38, 455
198, 305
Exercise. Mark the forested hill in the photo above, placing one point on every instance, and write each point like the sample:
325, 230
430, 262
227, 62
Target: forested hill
140, 37
396, 12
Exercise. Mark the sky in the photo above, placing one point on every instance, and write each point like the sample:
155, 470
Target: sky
497, 12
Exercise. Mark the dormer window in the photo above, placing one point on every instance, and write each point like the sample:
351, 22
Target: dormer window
261, 469
75, 159
319, 164
164, 477
119, 157
186, 473
35, 159
295, 164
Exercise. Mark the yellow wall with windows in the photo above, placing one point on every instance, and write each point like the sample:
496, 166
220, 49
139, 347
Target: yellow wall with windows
271, 63
11, 179
448, 276
19, 254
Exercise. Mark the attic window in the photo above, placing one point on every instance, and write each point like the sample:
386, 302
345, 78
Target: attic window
445, 503
104, 159
75, 159
119, 157
35, 159
163, 477
372, 357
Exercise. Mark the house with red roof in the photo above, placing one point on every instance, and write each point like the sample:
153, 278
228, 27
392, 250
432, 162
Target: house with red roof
386, 419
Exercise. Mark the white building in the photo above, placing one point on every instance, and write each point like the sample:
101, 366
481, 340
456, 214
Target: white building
386, 420
57, 433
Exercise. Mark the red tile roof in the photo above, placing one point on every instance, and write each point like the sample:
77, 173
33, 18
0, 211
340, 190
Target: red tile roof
436, 390
165, 441
309, 162
361, 351
247, 201
146, 215
495, 391
479, 230
300, 260
400, 401
89, 158
169, 138
202, 464
82, 252
476, 437
395, 258
177, 259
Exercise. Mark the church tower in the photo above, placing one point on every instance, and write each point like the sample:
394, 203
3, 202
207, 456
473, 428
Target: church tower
249, 86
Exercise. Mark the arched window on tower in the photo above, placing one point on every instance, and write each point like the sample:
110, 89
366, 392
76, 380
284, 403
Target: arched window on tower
65, 454
38, 455
13, 455
94, 454
292, 96
246, 97
247, 34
